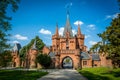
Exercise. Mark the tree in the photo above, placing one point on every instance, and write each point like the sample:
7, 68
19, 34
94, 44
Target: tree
5, 58
111, 39
44, 60
5, 25
25, 49
39, 43
95, 48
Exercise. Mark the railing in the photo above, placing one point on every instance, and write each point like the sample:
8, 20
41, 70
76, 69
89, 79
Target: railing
67, 51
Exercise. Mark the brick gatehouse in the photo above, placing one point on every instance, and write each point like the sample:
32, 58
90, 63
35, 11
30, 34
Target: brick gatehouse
67, 51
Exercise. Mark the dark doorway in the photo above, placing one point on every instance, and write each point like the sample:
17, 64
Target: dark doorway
67, 63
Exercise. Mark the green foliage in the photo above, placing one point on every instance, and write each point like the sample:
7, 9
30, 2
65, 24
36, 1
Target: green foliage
101, 73
44, 60
5, 21
110, 43
39, 43
20, 75
5, 58
24, 50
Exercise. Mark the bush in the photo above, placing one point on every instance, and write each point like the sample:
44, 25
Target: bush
44, 60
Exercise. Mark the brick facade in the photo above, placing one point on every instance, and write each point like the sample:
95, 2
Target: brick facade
67, 51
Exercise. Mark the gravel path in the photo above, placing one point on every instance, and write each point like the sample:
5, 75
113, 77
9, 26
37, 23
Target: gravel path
63, 74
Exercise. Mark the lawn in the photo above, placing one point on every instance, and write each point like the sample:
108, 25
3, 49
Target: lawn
20, 75
101, 73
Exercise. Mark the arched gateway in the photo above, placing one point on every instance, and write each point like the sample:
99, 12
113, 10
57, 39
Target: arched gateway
67, 47
67, 62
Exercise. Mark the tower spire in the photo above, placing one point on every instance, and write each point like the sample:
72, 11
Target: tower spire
68, 28
79, 31
57, 33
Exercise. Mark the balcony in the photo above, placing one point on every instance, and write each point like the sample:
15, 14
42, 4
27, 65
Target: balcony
67, 51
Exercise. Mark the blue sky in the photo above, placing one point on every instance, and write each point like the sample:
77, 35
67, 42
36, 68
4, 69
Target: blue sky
39, 17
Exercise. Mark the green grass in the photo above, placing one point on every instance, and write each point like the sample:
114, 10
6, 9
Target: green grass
101, 73
20, 75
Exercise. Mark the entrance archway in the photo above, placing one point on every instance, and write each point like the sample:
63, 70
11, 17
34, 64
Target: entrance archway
67, 62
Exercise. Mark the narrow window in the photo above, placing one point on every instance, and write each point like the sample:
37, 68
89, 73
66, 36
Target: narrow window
84, 63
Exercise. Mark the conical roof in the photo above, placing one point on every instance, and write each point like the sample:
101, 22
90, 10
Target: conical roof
68, 27
16, 47
34, 46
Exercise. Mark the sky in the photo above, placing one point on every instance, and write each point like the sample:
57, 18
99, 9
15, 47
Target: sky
39, 18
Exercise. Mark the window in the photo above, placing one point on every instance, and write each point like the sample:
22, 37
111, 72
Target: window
67, 44
84, 63
67, 48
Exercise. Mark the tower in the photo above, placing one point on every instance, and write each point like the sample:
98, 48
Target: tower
16, 56
80, 39
33, 54
67, 29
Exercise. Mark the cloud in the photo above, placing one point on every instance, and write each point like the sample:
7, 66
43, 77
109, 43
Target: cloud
78, 22
111, 16
91, 26
43, 31
20, 37
74, 32
87, 36
15, 41
92, 42
61, 31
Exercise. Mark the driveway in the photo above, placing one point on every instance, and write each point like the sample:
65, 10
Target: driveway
63, 74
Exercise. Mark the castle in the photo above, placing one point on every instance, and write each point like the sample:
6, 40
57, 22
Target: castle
67, 51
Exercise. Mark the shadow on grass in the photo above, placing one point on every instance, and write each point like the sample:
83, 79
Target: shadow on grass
20, 75
114, 73
91, 76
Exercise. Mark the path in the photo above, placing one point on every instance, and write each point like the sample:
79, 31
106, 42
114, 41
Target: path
63, 74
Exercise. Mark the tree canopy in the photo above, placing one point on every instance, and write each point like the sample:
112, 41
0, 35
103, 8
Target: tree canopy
111, 41
44, 59
25, 49
5, 58
5, 24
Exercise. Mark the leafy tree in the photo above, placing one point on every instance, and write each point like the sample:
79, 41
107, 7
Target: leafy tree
44, 60
39, 43
5, 58
23, 52
5, 21
25, 49
95, 47
111, 41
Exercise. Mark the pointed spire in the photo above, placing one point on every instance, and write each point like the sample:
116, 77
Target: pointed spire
57, 33
67, 14
68, 27
16, 47
34, 45
79, 31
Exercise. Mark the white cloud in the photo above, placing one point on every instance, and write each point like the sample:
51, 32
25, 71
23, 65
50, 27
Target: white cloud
15, 41
78, 22
74, 32
91, 26
87, 36
20, 37
61, 31
92, 42
43, 31
111, 16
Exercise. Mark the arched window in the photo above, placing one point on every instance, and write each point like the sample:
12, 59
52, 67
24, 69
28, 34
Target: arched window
67, 44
